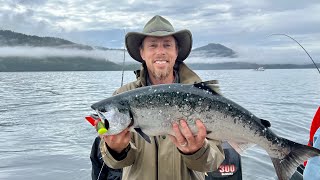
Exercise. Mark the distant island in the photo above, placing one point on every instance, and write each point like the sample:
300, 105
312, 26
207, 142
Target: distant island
214, 50
79, 63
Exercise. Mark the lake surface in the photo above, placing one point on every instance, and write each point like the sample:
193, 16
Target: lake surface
43, 133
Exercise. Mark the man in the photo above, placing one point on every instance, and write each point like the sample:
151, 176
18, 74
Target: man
162, 51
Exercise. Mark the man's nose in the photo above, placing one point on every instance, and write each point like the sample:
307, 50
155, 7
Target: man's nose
160, 49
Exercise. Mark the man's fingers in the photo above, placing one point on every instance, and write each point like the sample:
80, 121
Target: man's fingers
119, 141
184, 138
124, 132
179, 137
187, 132
202, 131
125, 135
128, 136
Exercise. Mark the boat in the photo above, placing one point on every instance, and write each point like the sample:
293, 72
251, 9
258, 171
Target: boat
260, 69
230, 169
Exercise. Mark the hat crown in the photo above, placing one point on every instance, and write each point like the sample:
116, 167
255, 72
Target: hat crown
158, 23
159, 27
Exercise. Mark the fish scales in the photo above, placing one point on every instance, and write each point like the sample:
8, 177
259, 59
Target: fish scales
153, 109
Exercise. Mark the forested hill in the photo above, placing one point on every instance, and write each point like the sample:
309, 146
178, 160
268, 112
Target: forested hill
68, 60
12, 39
214, 50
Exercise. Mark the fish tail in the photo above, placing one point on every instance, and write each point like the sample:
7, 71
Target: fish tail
296, 155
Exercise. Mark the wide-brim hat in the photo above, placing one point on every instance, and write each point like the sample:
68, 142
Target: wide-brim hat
159, 27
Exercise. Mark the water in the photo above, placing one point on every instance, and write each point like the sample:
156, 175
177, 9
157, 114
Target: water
44, 134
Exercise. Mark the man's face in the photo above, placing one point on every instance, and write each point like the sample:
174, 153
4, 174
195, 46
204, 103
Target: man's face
160, 54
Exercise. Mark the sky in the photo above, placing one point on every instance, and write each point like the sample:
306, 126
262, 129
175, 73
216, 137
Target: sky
242, 25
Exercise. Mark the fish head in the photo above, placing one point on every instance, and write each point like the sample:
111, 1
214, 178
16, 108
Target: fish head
116, 119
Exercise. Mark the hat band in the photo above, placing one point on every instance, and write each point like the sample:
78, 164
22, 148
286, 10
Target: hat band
162, 30
159, 33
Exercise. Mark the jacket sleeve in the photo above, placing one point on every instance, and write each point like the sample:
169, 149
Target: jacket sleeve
207, 159
112, 161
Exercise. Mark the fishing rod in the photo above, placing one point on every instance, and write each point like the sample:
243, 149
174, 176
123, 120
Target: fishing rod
300, 46
124, 57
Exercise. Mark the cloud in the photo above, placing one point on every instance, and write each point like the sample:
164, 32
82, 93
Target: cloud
239, 24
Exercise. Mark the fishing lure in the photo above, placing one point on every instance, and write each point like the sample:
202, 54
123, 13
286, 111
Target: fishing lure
95, 120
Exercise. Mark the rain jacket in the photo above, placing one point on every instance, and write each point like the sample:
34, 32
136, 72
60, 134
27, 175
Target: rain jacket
161, 160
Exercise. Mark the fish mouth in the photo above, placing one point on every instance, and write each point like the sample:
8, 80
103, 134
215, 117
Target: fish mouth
115, 126
103, 119
132, 119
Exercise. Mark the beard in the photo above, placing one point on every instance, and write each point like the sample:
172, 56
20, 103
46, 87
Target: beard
160, 75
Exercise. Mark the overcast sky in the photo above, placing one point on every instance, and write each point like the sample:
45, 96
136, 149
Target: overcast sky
242, 25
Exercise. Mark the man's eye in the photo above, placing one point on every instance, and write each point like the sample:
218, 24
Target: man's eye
167, 45
152, 45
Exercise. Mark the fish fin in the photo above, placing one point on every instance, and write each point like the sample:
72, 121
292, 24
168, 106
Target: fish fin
209, 132
211, 82
278, 168
266, 123
240, 147
286, 167
211, 86
143, 135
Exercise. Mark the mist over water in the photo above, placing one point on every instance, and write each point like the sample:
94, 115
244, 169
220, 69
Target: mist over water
43, 52
253, 54
44, 134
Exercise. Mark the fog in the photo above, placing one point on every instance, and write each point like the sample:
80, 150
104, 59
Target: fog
266, 55
44, 52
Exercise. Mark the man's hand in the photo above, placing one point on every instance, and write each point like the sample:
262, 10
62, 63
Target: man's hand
185, 140
119, 141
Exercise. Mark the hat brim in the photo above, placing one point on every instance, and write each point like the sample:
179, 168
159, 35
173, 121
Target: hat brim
134, 39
